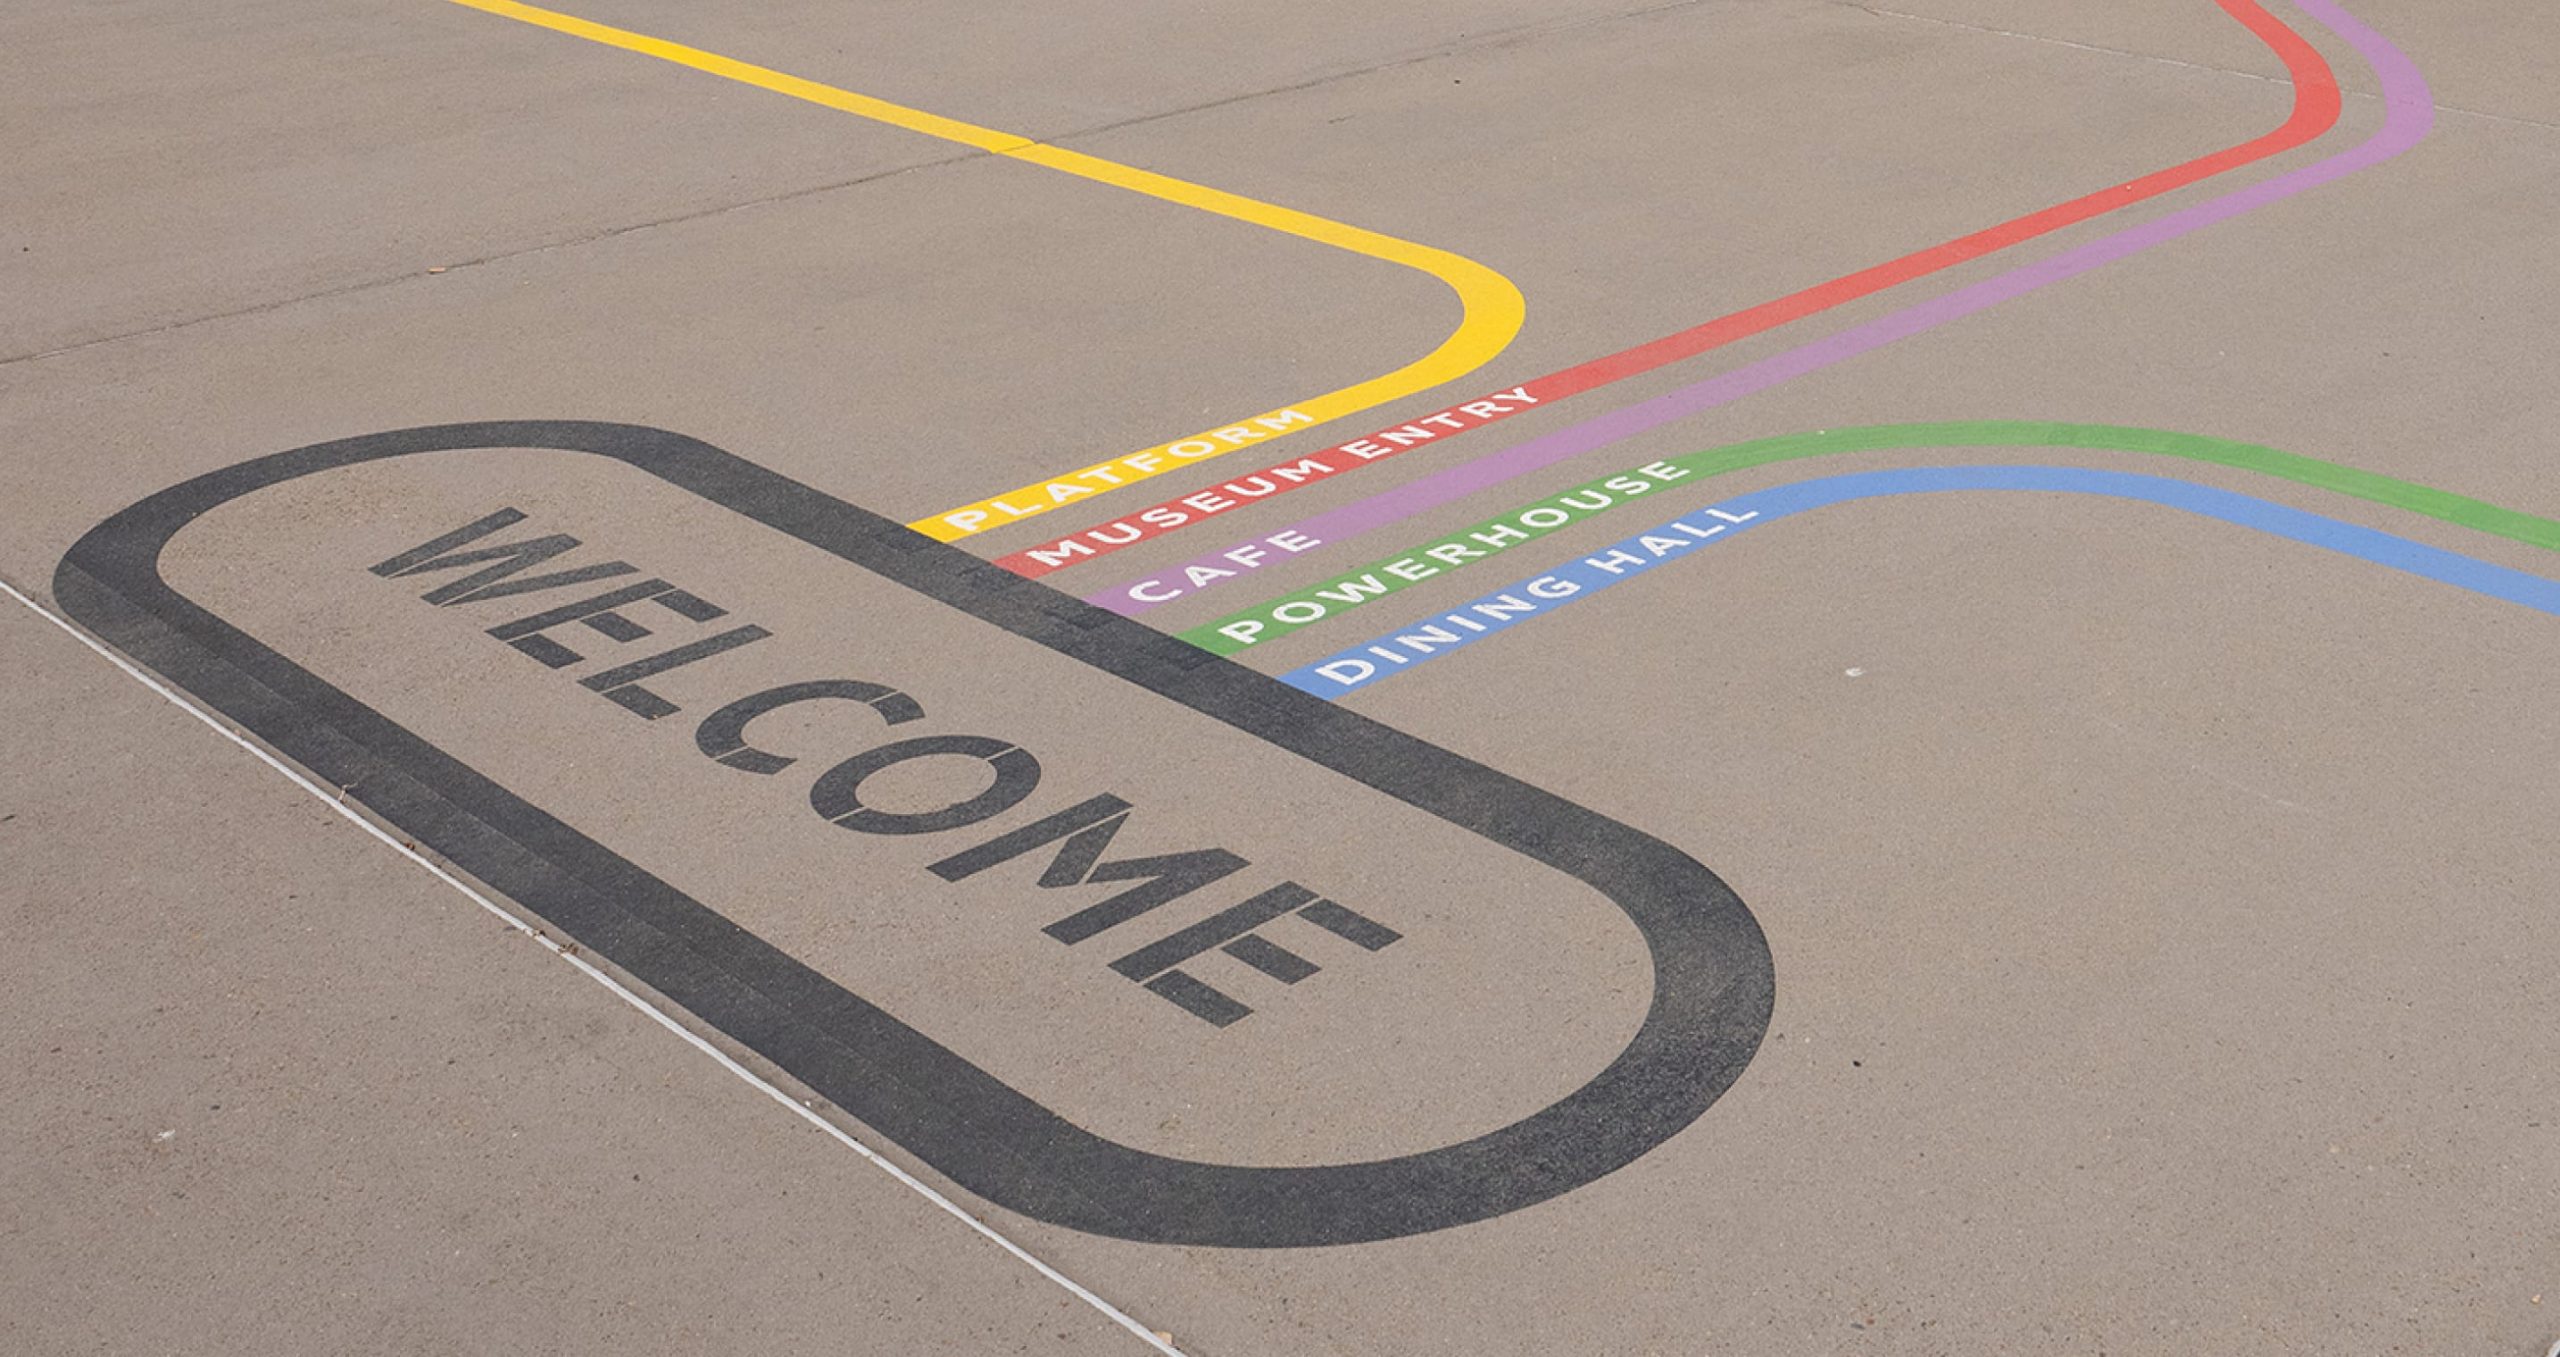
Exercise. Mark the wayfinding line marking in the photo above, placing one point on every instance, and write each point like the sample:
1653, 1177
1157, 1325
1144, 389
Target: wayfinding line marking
1403, 650
2408, 114
1300, 609
1491, 309
2315, 111
337, 803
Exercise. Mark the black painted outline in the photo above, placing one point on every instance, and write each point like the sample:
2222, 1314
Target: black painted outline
1713, 979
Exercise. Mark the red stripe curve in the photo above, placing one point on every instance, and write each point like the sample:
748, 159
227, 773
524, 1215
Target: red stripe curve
2316, 103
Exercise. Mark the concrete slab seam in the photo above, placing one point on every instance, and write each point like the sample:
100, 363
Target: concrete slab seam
620, 991
2410, 114
1710, 1006
1491, 307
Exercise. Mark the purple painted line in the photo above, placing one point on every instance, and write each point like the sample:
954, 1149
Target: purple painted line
2409, 114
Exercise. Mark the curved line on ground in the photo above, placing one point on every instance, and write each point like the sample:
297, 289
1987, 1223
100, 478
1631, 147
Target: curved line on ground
1713, 978
1466, 547
1490, 307
2409, 113
2315, 111
1541, 595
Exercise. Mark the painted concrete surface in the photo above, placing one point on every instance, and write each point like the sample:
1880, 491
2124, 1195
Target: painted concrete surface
1968, 921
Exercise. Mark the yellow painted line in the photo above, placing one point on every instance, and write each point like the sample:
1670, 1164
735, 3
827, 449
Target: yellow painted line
1491, 309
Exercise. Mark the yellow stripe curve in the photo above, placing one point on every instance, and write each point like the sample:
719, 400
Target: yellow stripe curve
1491, 308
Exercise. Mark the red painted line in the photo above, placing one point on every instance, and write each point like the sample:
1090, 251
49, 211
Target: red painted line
2315, 111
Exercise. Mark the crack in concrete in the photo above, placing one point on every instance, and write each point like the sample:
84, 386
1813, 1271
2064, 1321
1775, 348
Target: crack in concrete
1881, 12
1462, 45
543, 247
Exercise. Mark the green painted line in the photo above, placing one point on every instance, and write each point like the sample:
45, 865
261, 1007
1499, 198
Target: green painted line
1276, 617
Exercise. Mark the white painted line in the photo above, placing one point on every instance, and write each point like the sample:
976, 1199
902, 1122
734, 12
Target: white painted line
335, 803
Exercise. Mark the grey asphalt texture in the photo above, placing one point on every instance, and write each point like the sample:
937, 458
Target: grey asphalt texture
2159, 912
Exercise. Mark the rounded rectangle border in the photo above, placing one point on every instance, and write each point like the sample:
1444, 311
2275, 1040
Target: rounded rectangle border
1714, 983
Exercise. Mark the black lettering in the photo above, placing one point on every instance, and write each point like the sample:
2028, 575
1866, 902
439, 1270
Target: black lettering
598, 614
1233, 927
1088, 828
1349, 925
1224, 926
441, 554
1270, 958
621, 684
836, 795
723, 734
1201, 1000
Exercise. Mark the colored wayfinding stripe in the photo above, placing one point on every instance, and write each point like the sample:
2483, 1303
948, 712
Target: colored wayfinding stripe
1293, 612
1401, 651
1491, 309
2315, 110
2409, 113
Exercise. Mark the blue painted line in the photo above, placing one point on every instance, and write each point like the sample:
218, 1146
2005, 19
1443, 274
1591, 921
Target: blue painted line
1406, 648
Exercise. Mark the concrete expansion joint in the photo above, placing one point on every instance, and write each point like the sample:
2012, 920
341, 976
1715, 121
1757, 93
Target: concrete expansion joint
1463, 46
500, 257
1881, 12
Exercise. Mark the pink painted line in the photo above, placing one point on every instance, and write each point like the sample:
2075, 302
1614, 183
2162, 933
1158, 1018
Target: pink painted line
2409, 114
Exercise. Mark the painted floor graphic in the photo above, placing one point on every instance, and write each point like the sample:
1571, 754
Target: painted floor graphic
1623, 991
2315, 111
1491, 306
1304, 608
